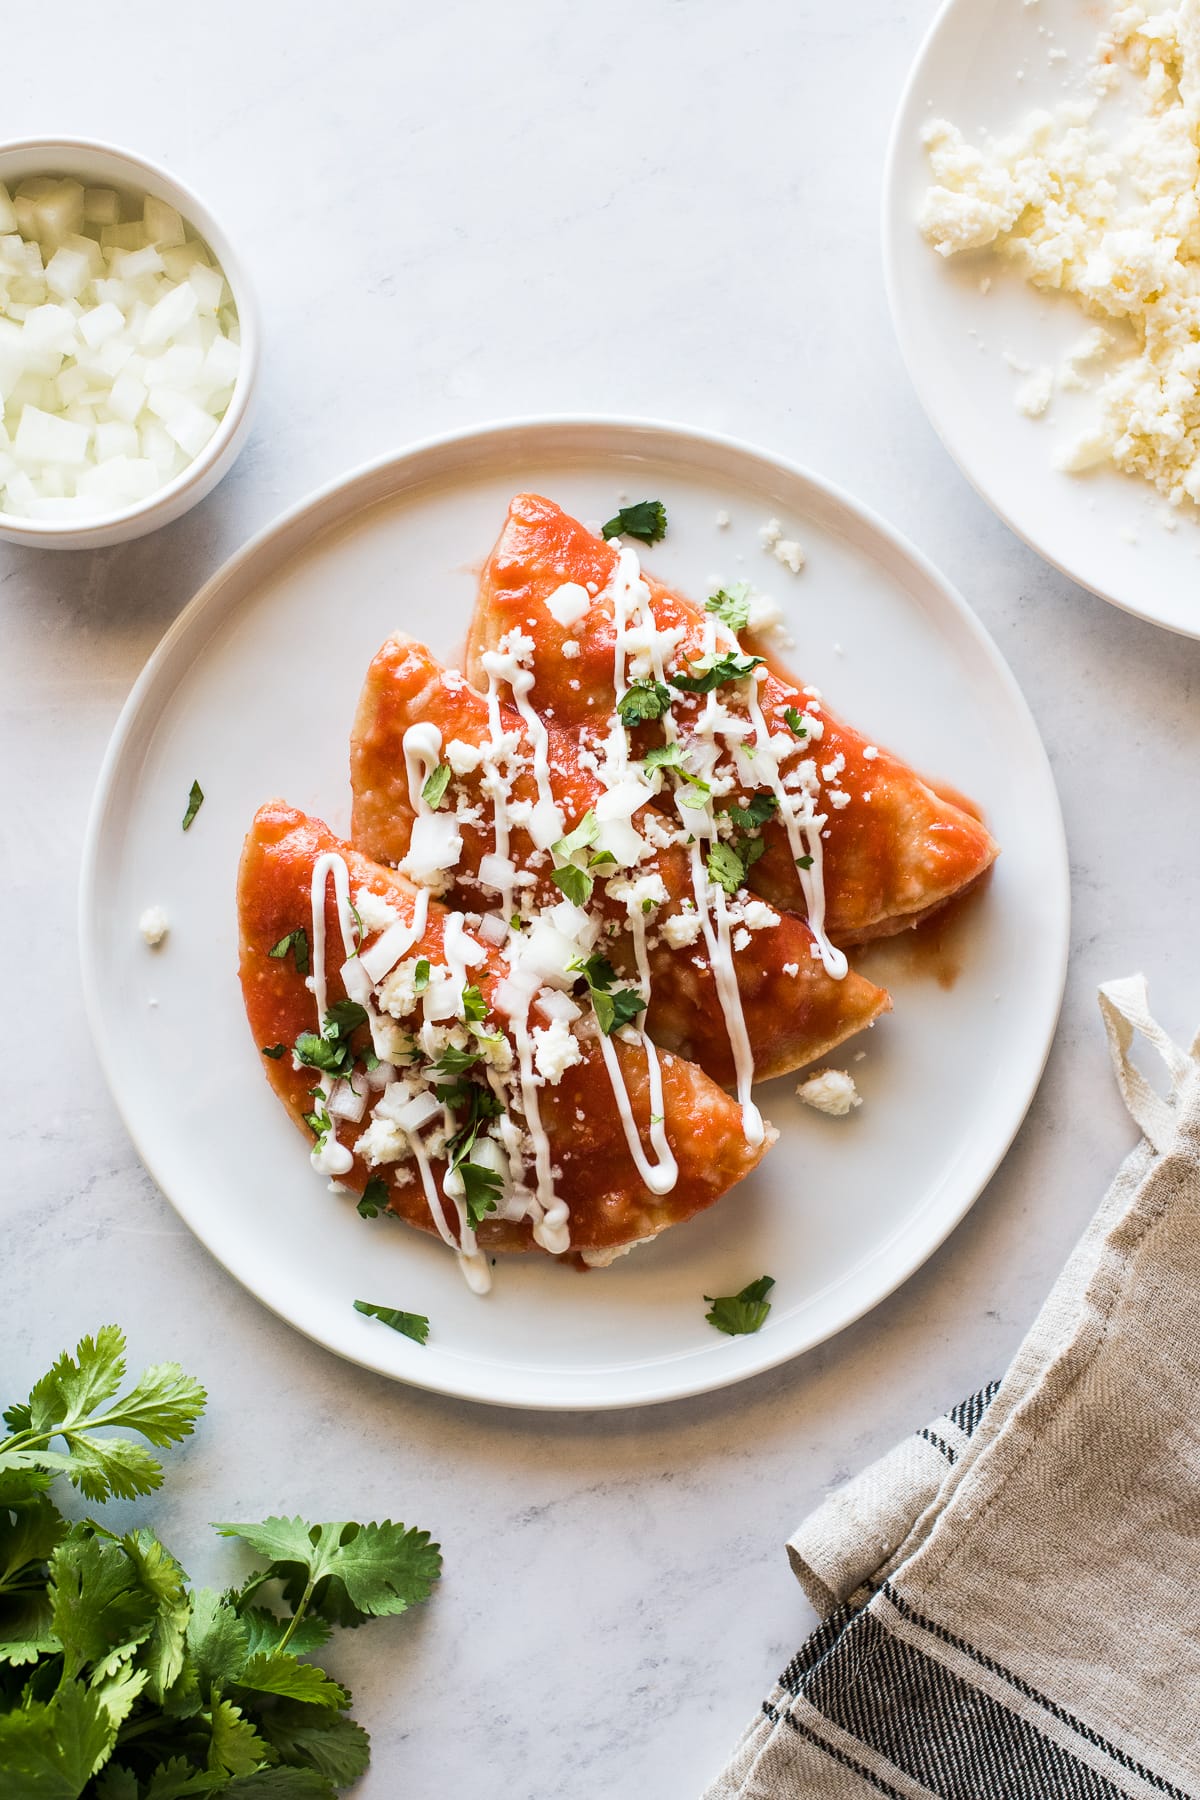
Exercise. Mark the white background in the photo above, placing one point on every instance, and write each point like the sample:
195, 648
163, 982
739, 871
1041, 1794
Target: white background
471, 211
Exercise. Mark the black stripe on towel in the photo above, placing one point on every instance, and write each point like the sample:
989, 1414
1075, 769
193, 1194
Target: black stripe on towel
813, 1649
967, 1414
938, 1729
931, 1437
1031, 1693
847, 1762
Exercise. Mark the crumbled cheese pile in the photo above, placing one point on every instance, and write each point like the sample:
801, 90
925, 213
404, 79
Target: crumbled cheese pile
831, 1091
1114, 223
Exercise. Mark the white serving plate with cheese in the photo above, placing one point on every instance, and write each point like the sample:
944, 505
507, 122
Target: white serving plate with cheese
984, 66
252, 692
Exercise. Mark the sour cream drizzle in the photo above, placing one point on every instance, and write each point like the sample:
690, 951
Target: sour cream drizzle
333, 1158
630, 594
496, 785
804, 826
330, 1158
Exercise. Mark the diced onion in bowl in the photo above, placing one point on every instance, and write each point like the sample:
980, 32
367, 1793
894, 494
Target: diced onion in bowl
119, 348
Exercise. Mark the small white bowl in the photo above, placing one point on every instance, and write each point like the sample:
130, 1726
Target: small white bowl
99, 165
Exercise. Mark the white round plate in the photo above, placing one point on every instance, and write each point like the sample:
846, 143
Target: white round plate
1111, 532
252, 693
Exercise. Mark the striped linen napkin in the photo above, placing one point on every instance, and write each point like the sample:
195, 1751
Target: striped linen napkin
1011, 1599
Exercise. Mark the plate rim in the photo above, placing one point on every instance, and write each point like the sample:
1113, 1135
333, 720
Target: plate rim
440, 1377
890, 212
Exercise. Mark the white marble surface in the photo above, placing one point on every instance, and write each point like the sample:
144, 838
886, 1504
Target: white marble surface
647, 207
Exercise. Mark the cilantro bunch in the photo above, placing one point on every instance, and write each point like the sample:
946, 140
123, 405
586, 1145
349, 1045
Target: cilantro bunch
118, 1679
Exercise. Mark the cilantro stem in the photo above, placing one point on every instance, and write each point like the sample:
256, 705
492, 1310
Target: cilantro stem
296, 1617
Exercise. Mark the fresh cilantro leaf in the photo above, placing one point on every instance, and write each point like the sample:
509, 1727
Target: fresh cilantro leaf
645, 520
762, 807
474, 1006
410, 1325
732, 605
613, 1006
795, 722
320, 1124
750, 849
597, 971
664, 756
643, 700
434, 791
421, 976
575, 883
454, 1061
76, 1399
585, 833
617, 1008
333, 1745
725, 867
217, 1641
352, 1572
374, 1198
278, 1672
235, 1748
317, 1052
297, 942
740, 1314
48, 1749
517, 922
99, 1612
480, 1104
265, 1632
160, 1577
271, 1783
274, 1051
195, 802
329, 1050
706, 679
481, 1192
343, 1017
804, 862
694, 794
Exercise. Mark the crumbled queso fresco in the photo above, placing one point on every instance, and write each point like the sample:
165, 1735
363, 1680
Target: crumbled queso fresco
1113, 221
830, 1091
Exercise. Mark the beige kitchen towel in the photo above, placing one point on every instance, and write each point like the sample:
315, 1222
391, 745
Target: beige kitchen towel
1012, 1600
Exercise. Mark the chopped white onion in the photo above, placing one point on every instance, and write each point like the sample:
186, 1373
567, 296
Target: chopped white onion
435, 844
344, 1103
496, 872
386, 952
419, 1111
119, 348
493, 929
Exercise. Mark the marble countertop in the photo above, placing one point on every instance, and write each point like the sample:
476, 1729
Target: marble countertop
456, 213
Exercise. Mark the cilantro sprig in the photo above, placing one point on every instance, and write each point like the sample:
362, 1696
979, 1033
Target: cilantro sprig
643, 701
572, 877
330, 1050
79, 1397
732, 605
739, 1315
120, 1679
645, 520
613, 1006
708, 674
